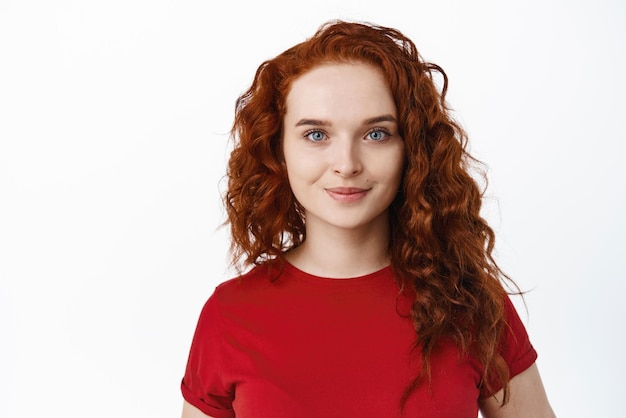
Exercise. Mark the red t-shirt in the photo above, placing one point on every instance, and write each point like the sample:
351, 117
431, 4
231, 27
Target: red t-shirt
306, 346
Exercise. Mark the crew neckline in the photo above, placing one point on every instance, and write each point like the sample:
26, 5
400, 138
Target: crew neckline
298, 274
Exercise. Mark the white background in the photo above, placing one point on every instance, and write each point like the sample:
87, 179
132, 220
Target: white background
113, 138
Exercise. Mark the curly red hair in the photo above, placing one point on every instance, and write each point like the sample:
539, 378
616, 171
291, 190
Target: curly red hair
440, 246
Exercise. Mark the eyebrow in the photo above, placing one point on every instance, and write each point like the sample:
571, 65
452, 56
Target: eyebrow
370, 121
313, 122
378, 119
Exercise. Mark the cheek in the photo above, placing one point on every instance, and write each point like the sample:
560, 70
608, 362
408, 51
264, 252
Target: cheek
297, 169
391, 167
303, 165
302, 172
290, 159
400, 163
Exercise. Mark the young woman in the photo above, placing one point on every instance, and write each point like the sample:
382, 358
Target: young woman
372, 292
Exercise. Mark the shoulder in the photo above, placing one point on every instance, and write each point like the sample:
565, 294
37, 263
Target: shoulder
516, 343
262, 282
516, 348
232, 295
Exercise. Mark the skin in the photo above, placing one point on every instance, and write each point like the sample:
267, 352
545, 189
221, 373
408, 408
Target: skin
344, 160
527, 399
190, 411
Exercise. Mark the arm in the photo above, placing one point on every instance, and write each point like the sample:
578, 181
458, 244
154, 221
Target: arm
190, 411
527, 398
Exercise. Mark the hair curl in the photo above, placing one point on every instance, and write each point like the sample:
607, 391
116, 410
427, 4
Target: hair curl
440, 246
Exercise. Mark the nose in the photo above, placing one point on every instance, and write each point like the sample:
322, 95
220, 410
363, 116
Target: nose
346, 158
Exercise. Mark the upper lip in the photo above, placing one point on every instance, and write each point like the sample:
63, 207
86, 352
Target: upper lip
346, 190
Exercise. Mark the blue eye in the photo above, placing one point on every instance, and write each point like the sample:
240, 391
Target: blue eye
377, 135
315, 136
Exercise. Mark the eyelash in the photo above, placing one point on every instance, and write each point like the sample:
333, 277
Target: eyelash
307, 135
381, 130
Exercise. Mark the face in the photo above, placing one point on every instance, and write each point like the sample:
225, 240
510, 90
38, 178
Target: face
342, 150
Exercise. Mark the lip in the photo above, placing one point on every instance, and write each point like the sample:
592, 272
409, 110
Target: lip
346, 194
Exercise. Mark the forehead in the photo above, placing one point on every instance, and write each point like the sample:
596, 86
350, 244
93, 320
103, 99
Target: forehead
336, 88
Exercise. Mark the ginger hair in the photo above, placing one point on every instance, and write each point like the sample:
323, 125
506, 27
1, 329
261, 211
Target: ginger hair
440, 247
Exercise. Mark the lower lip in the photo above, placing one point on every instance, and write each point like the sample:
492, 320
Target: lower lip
347, 197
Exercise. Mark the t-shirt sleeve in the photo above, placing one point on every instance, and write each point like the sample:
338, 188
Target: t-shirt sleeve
203, 385
516, 348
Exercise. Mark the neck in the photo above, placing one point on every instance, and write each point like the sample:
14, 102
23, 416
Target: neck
343, 253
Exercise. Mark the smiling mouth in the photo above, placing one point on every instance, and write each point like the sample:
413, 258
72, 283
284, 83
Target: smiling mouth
346, 194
